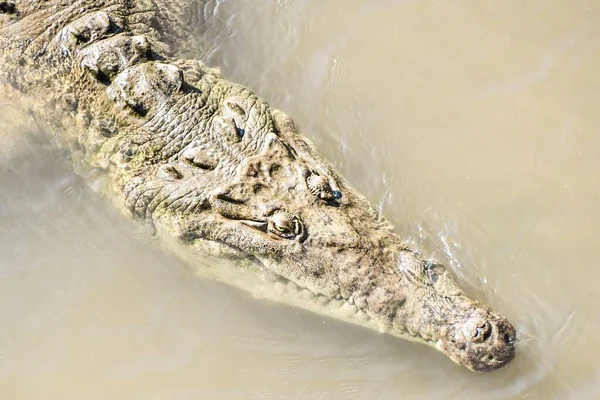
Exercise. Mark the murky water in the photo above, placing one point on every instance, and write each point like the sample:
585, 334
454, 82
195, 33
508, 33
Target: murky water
472, 124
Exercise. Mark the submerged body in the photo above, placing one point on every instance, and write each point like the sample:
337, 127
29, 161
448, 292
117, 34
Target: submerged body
216, 171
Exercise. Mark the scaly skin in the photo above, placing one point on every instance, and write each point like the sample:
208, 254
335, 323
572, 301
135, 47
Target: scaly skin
217, 171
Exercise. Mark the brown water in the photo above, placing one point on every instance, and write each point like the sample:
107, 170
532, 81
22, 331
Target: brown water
472, 124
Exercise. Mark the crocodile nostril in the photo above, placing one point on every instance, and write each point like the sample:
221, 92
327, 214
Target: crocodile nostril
484, 342
488, 358
477, 331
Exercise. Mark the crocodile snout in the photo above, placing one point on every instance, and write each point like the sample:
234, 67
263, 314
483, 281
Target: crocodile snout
483, 342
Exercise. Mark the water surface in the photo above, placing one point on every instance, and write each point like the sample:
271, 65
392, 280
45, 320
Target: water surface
473, 125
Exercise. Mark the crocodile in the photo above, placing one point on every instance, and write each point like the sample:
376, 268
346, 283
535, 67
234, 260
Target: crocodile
220, 175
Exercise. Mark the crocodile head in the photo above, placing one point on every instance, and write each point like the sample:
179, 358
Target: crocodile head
339, 253
309, 227
345, 257
213, 166
273, 198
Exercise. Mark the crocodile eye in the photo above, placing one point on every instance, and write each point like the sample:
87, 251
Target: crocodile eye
320, 188
284, 224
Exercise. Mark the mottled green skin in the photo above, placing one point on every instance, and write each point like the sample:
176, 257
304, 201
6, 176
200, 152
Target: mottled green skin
217, 171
